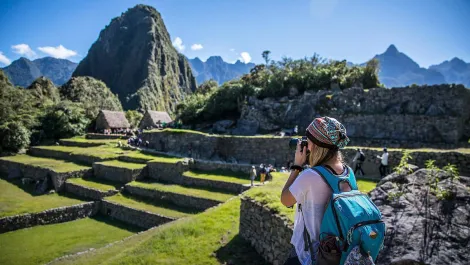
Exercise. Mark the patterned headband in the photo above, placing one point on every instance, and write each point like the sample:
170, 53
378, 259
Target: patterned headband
327, 132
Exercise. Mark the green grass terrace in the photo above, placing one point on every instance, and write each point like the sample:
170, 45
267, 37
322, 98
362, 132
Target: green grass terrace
270, 194
122, 164
209, 238
99, 184
42, 244
153, 206
225, 176
146, 156
14, 200
213, 194
59, 166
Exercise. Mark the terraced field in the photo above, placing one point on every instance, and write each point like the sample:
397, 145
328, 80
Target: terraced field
16, 200
56, 165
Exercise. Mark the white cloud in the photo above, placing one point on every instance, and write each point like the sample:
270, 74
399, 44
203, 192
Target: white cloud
232, 50
196, 47
4, 60
24, 49
245, 57
58, 52
178, 43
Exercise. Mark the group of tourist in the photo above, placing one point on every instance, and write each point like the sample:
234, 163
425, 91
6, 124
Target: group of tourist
116, 131
360, 158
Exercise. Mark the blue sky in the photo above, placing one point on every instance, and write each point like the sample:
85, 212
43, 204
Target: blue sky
429, 31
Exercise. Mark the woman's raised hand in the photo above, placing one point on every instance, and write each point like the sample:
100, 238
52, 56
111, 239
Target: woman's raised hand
300, 155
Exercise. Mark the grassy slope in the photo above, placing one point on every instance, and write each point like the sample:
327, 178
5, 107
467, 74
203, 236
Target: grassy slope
151, 157
14, 200
270, 195
207, 238
94, 183
82, 139
158, 207
103, 152
122, 164
195, 192
42, 244
54, 164
175, 131
238, 178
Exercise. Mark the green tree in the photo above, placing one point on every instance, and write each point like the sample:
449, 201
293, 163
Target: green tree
266, 58
14, 136
66, 119
93, 94
207, 87
134, 117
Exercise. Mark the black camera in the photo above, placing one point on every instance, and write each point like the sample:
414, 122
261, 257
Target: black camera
293, 143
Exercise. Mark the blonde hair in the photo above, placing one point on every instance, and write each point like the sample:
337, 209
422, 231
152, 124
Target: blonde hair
321, 155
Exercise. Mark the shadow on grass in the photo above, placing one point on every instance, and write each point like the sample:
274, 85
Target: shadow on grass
239, 252
111, 221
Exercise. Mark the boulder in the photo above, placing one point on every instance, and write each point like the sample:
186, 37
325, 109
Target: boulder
222, 126
421, 228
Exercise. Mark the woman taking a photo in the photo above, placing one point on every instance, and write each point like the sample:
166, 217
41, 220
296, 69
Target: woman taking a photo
326, 193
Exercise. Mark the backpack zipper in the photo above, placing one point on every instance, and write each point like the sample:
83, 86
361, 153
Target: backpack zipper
351, 230
336, 215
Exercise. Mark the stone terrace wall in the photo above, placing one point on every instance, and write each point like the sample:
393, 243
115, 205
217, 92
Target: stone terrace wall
208, 183
13, 170
207, 165
132, 216
176, 198
268, 233
52, 216
87, 192
79, 144
104, 136
244, 150
119, 174
273, 150
167, 172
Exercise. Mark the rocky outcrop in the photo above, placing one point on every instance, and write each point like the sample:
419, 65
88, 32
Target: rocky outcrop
134, 56
52, 216
426, 114
422, 229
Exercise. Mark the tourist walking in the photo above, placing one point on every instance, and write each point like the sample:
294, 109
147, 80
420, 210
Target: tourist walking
252, 174
359, 158
319, 235
262, 173
383, 168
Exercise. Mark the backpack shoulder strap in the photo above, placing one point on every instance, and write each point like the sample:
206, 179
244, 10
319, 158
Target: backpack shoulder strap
352, 179
334, 181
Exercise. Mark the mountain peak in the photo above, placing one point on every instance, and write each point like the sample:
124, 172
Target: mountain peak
215, 59
391, 49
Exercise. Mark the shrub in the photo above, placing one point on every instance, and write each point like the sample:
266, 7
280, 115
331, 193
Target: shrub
134, 117
64, 120
14, 136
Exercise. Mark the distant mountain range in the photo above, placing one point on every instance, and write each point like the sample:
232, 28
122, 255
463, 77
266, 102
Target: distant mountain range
23, 72
396, 70
215, 68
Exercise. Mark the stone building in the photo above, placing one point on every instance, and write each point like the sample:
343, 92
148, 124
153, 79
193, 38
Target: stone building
152, 118
111, 120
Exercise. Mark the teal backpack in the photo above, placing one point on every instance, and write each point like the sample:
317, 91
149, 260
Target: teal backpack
352, 230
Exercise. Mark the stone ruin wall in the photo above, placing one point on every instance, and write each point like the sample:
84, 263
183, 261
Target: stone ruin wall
87, 192
16, 170
268, 233
410, 117
51, 216
140, 218
274, 150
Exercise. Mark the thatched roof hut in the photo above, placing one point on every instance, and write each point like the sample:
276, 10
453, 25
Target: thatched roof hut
152, 118
111, 120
